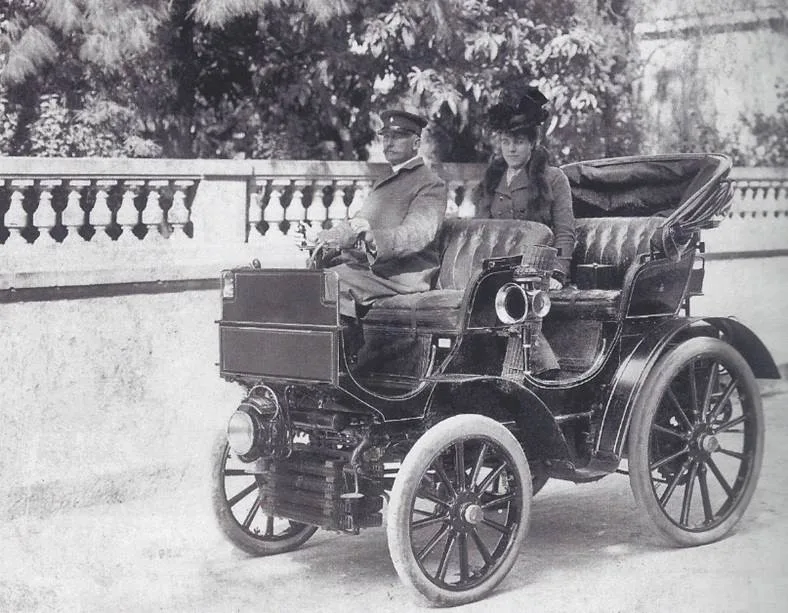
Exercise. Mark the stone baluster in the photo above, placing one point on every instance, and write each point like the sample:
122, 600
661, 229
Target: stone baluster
467, 208
782, 192
73, 216
178, 215
44, 216
738, 194
317, 213
152, 214
295, 212
760, 199
748, 191
274, 212
360, 190
775, 189
16, 216
337, 211
101, 214
128, 216
254, 235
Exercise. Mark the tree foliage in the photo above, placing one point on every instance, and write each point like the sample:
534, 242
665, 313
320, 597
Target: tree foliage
305, 78
72, 71
770, 133
454, 59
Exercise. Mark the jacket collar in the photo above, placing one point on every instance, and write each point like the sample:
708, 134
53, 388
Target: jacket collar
410, 164
416, 160
520, 181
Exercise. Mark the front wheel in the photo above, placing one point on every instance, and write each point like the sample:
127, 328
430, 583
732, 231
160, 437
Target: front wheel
696, 442
459, 510
236, 504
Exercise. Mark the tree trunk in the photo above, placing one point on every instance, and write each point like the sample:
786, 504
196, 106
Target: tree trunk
185, 76
25, 97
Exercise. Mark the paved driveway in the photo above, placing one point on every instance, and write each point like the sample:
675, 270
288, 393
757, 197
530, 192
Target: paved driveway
587, 551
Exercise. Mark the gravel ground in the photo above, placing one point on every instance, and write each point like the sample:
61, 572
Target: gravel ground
587, 550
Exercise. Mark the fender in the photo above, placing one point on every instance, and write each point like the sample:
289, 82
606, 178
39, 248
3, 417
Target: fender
635, 367
748, 344
502, 400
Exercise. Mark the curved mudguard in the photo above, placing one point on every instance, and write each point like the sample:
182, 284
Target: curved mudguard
504, 401
635, 368
748, 344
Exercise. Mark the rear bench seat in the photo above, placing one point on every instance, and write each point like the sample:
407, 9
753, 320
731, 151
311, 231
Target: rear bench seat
615, 241
464, 245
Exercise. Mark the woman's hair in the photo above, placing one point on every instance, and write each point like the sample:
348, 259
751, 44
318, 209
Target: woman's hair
542, 198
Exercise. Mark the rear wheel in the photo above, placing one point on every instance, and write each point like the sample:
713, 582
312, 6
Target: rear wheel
236, 504
459, 509
696, 442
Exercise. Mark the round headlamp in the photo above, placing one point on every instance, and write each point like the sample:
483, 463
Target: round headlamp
511, 304
540, 303
241, 432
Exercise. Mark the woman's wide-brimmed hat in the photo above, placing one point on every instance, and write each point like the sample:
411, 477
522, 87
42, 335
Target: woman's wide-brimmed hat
519, 112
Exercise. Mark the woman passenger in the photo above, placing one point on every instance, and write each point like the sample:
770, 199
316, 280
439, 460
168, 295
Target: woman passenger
520, 183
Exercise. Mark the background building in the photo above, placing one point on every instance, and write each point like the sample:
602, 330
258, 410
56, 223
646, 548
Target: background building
710, 67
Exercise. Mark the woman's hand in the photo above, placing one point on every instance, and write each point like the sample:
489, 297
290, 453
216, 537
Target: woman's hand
555, 283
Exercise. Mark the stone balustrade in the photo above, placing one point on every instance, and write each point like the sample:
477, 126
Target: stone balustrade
757, 224
76, 222
102, 200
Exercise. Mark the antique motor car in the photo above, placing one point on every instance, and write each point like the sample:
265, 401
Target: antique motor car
438, 420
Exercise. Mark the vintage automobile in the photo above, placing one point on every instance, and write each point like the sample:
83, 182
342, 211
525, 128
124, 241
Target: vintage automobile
439, 415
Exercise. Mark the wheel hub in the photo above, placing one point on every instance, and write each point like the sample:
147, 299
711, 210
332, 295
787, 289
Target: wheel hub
708, 443
473, 514
466, 511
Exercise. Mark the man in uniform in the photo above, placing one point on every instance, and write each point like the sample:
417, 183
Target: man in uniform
396, 228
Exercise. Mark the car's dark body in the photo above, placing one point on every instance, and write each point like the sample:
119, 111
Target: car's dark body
337, 424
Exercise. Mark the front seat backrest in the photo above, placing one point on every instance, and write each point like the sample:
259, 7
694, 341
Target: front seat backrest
466, 243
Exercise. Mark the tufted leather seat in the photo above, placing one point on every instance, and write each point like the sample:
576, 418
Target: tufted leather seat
464, 245
615, 241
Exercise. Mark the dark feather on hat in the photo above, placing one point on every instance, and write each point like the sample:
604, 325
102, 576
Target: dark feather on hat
533, 97
499, 115
517, 112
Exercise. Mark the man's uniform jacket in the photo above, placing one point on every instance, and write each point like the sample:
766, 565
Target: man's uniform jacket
405, 210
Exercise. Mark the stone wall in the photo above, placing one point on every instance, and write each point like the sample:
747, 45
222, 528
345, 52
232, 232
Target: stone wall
706, 64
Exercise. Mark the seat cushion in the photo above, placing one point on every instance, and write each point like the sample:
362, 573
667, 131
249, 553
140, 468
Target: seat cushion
611, 241
437, 309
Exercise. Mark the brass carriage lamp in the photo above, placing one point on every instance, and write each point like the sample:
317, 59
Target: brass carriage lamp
523, 303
